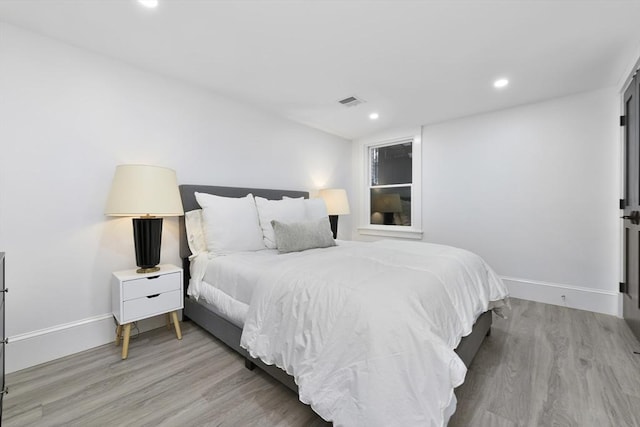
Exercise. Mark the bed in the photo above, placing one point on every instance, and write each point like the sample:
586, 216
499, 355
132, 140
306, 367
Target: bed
229, 329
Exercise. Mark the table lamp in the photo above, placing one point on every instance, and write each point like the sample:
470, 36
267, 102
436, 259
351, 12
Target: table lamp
337, 204
388, 205
148, 193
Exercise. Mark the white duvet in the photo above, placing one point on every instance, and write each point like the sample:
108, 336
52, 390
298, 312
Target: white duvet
368, 331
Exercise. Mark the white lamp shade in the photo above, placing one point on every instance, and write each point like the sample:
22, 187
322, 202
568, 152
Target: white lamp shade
386, 203
336, 201
139, 190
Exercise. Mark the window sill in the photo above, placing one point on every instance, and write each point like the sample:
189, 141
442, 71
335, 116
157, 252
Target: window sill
403, 233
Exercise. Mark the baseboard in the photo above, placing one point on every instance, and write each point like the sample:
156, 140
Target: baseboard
596, 300
34, 348
44, 345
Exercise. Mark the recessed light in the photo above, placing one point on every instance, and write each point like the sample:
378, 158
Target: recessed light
374, 116
500, 83
151, 4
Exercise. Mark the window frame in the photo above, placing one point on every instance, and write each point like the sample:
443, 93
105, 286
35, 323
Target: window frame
413, 231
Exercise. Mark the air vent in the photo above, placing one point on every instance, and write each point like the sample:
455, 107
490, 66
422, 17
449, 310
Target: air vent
351, 101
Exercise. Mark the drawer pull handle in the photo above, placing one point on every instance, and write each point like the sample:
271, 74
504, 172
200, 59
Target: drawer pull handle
152, 277
153, 296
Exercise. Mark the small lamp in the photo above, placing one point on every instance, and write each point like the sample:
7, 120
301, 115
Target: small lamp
337, 204
387, 204
146, 192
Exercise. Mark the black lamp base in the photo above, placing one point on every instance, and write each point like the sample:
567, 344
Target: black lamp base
333, 220
389, 218
147, 236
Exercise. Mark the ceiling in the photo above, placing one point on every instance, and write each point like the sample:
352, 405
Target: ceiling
413, 62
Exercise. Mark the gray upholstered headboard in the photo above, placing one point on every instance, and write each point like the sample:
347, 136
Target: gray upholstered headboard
189, 203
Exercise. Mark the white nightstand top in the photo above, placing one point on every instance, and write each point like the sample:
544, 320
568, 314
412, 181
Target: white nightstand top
131, 274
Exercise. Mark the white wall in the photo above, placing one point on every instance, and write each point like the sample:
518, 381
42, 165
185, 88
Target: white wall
68, 117
533, 190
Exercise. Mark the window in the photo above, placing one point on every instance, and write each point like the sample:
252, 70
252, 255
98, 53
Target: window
390, 186
392, 200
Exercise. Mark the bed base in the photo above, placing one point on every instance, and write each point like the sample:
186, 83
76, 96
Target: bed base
230, 334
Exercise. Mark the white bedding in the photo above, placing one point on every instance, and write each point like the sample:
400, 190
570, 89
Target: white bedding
223, 305
227, 282
368, 330
236, 274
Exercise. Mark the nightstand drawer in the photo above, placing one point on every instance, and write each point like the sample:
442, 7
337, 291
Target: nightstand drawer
144, 307
145, 286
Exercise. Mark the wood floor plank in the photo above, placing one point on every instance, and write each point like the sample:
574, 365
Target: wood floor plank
550, 365
489, 419
545, 365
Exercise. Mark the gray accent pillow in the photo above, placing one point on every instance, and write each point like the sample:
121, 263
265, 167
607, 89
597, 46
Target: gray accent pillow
300, 236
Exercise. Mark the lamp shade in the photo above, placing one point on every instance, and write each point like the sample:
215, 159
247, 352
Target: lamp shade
386, 203
139, 190
336, 201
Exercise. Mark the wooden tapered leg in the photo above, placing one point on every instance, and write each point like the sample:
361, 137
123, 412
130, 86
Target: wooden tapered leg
118, 334
125, 343
168, 320
174, 316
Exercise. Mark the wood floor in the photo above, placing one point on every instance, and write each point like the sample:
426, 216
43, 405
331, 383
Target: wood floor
545, 366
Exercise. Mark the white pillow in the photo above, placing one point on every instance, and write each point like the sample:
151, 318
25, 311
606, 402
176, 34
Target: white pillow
230, 223
195, 231
285, 211
315, 208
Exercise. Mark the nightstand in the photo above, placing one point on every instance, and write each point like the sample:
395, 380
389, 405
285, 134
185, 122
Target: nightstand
137, 296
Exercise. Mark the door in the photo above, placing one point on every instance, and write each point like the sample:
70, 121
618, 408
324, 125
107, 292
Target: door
631, 208
3, 389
